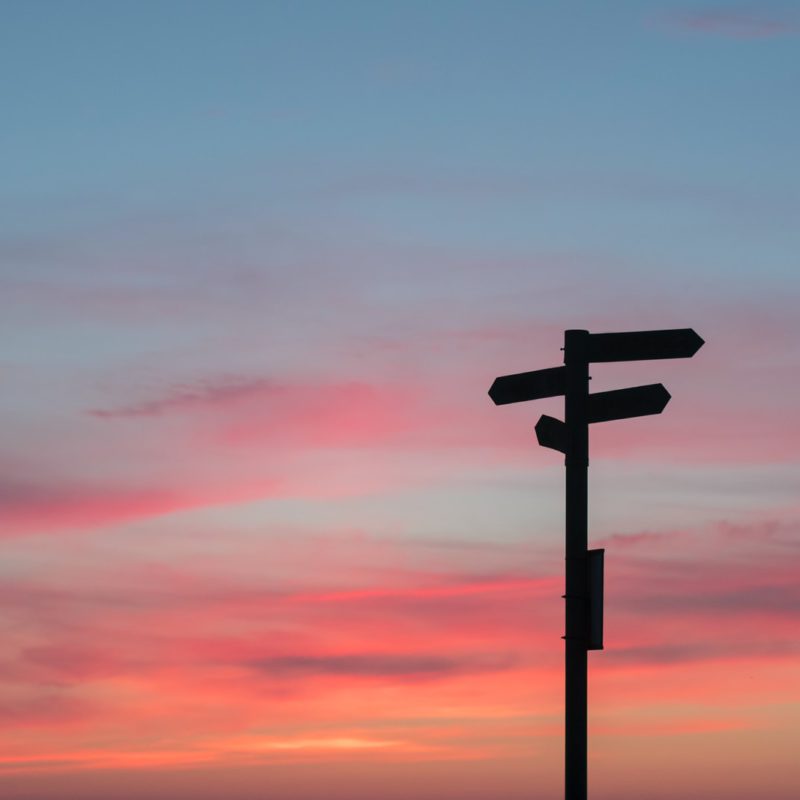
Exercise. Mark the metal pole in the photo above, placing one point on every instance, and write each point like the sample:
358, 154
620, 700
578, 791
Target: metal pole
577, 462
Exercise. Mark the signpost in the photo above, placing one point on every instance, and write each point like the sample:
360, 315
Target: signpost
584, 567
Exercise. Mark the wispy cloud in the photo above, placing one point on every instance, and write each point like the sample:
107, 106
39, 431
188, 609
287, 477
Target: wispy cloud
666, 654
314, 413
383, 665
207, 394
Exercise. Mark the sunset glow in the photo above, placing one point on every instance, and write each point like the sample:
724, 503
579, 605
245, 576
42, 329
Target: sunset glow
263, 532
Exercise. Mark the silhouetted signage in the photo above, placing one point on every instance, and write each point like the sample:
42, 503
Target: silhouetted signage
638, 401
528, 386
584, 568
552, 433
643, 345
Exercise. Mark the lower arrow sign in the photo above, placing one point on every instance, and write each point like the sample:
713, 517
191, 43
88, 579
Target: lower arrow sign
638, 401
552, 433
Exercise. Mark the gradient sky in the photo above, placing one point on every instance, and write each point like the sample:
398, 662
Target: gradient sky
263, 532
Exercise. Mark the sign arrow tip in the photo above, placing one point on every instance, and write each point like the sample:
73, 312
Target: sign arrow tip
665, 396
697, 341
493, 392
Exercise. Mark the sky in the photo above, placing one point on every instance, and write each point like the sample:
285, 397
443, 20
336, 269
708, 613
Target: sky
262, 532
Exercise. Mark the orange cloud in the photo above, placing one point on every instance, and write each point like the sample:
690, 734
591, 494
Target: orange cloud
224, 667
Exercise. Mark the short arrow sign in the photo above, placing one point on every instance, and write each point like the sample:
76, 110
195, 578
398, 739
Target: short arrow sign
552, 433
644, 345
528, 386
638, 401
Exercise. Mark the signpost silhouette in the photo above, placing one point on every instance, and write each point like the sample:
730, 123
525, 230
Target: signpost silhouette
584, 567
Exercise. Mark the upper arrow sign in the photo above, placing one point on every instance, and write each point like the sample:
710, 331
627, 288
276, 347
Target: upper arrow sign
644, 345
638, 401
528, 386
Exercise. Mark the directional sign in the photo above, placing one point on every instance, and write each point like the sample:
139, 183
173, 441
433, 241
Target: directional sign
638, 401
644, 345
552, 433
528, 386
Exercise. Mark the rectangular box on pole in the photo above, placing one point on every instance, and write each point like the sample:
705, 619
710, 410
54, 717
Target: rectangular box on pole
594, 576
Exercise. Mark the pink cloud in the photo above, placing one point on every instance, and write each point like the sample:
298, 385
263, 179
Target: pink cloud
30, 506
349, 414
258, 410
698, 576
733, 24
46, 709
415, 657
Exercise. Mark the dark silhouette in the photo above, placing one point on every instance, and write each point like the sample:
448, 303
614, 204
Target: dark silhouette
584, 567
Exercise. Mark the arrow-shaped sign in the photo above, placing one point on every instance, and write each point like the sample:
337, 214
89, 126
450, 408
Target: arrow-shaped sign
528, 386
552, 433
638, 401
644, 345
